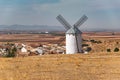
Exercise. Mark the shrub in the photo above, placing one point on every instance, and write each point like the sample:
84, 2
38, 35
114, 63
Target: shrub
99, 42
11, 52
93, 41
117, 42
85, 40
108, 50
83, 45
116, 49
89, 49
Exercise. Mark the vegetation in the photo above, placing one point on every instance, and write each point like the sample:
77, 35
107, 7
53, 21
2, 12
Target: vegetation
94, 41
116, 50
85, 40
117, 42
84, 45
108, 50
11, 52
89, 49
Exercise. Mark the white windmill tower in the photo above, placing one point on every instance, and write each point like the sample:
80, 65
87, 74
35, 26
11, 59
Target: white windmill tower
73, 34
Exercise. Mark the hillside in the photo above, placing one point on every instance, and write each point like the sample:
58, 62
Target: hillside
61, 67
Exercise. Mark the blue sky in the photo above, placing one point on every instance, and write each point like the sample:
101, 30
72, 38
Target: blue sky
103, 14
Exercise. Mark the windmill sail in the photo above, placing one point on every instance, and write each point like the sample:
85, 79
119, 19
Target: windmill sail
81, 21
63, 22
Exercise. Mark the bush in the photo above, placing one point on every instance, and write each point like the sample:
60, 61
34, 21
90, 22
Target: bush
117, 42
83, 45
85, 40
108, 50
89, 49
10, 55
116, 50
11, 52
93, 41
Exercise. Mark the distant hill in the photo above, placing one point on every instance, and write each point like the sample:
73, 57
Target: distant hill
46, 28
30, 27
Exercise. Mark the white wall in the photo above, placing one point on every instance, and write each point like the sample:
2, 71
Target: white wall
23, 49
71, 44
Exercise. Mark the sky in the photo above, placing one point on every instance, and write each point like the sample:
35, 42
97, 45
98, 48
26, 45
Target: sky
102, 14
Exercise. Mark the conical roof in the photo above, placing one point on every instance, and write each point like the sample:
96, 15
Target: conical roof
73, 30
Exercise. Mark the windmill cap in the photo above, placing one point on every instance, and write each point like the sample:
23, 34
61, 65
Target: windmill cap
73, 30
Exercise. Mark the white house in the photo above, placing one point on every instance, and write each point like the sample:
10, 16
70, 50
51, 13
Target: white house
23, 49
40, 50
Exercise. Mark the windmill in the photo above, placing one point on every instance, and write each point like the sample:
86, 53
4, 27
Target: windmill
73, 34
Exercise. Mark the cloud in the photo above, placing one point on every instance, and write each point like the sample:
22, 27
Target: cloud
73, 9
101, 13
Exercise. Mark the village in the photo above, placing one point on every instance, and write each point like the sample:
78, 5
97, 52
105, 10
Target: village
20, 49
44, 44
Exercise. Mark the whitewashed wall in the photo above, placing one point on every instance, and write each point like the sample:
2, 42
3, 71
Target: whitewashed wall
71, 44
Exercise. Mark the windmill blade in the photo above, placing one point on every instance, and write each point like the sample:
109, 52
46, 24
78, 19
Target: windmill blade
81, 21
63, 22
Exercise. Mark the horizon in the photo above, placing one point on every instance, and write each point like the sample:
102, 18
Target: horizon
17, 27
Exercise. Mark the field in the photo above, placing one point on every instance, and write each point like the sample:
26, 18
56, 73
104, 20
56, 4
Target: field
32, 39
97, 65
61, 67
108, 39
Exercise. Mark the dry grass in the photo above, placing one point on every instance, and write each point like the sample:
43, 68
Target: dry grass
61, 67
